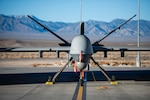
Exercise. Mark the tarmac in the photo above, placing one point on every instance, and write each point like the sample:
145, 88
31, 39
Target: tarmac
126, 90
28, 83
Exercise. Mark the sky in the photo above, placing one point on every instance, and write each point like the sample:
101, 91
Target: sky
69, 10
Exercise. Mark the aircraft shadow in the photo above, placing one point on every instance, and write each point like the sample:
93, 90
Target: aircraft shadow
32, 78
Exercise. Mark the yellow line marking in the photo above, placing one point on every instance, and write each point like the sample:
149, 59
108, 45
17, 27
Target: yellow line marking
80, 93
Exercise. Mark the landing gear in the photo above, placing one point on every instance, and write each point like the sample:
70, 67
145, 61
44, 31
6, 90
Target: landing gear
81, 82
112, 81
82, 77
52, 80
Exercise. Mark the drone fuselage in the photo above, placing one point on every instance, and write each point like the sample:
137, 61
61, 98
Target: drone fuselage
81, 51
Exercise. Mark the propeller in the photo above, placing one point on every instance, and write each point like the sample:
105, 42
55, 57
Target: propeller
98, 41
65, 42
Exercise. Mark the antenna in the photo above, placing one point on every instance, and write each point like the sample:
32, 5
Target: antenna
80, 12
81, 23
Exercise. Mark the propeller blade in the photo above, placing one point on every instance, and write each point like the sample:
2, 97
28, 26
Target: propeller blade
66, 43
98, 41
82, 28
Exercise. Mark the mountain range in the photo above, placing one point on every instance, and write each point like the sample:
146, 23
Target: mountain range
22, 27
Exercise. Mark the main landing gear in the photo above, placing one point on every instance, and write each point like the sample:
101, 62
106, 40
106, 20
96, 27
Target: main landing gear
51, 80
112, 81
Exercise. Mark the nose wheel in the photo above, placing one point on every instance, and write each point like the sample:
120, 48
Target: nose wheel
82, 77
81, 82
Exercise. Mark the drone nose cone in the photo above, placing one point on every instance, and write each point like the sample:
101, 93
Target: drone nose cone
81, 43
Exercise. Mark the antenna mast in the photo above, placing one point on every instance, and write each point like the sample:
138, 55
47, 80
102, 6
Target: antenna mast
80, 12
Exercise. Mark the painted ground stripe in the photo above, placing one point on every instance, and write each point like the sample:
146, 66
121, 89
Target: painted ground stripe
80, 93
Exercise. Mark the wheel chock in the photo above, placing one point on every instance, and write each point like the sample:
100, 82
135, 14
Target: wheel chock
49, 83
114, 83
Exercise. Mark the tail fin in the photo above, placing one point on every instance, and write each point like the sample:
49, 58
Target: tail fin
66, 43
98, 41
82, 28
